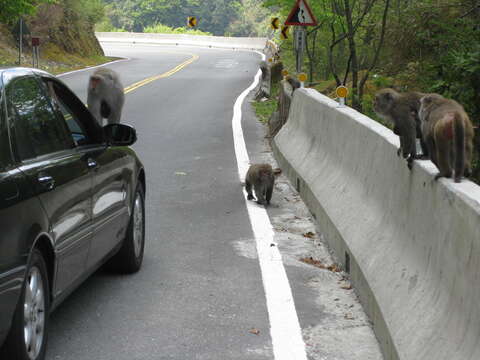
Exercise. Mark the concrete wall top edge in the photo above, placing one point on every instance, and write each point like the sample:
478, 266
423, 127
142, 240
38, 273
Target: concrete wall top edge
185, 39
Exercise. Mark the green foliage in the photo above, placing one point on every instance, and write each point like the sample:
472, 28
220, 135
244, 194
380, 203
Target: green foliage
253, 20
214, 16
164, 29
381, 81
264, 109
91, 11
105, 25
430, 46
11, 10
442, 37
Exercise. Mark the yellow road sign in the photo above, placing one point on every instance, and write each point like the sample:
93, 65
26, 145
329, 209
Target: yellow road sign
284, 72
284, 33
192, 21
342, 92
302, 77
275, 23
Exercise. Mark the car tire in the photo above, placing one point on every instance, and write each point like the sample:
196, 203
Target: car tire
129, 258
31, 315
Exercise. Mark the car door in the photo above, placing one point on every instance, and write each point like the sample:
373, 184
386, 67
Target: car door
58, 174
109, 170
110, 203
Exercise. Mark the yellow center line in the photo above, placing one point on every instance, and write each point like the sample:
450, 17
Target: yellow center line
164, 75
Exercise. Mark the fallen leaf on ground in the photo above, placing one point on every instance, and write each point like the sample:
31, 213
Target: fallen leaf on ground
309, 235
349, 317
180, 173
313, 262
334, 268
254, 331
319, 264
346, 287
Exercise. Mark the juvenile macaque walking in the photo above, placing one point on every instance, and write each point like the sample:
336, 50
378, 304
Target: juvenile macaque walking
262, 178
448, 133
402, 111
105, 96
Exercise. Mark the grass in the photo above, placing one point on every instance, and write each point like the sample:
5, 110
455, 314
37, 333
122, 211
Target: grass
264, 109
55, 65
52, 59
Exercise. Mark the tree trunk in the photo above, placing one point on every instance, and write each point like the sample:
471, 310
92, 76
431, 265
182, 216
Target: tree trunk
353, 55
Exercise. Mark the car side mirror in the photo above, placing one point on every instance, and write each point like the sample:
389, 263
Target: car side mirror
119, 134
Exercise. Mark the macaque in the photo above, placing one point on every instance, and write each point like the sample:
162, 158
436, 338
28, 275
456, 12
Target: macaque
264, 68
448, 133
294, 83
402, 111
105, 96
262, 178
276, 71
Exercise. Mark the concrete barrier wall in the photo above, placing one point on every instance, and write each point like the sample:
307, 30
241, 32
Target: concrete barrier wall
184, 39
412, 244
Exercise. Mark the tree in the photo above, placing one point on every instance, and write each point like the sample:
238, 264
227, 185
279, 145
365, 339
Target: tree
134, 15
11, 10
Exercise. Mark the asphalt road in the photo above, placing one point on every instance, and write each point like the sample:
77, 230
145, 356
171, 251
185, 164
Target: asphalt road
199, 294
195, 297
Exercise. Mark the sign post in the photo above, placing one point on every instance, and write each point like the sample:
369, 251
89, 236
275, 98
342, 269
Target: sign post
301, 16
35, 51
342, 93
302, 77
20, 30
299, 46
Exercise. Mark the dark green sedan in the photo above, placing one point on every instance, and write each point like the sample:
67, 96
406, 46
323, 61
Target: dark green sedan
72, 198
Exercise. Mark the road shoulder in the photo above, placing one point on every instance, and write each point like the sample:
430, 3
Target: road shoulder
334, 324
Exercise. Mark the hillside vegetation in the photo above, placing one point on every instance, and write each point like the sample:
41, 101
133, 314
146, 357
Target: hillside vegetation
426, 45
65, 29
217, 17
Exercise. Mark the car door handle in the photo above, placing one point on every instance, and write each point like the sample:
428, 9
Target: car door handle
91, 163
46, 181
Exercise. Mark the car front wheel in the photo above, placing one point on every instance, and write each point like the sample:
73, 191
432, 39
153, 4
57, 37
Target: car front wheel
28, 335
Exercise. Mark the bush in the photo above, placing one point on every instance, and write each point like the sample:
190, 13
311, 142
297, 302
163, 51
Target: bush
164, 29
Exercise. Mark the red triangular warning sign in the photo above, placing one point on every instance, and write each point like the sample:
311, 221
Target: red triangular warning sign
301, 15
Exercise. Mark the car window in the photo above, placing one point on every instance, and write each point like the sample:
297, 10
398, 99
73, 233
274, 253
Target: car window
65, 108
37, 130
5, 151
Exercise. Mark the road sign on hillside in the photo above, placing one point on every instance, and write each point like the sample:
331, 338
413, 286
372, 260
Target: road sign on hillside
192, 21
301, 15
284, 33
275, 23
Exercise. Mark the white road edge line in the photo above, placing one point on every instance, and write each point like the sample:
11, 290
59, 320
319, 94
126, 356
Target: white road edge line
93, 67
285, 331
